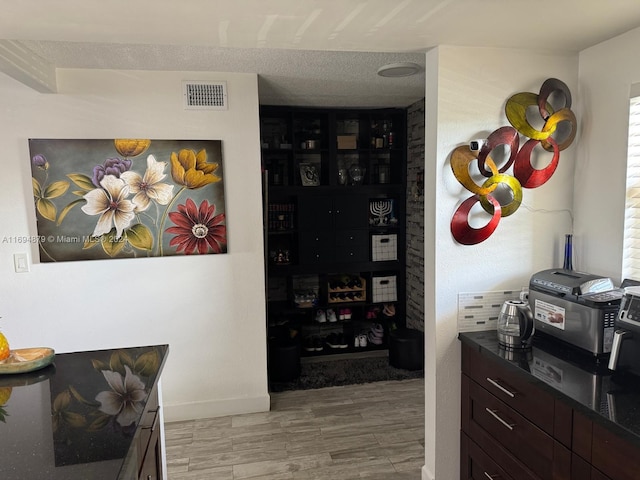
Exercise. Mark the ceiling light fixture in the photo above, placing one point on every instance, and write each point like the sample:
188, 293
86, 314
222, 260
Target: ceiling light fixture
403, 69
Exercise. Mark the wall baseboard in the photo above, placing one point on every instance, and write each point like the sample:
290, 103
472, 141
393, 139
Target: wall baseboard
426, 474
216, 408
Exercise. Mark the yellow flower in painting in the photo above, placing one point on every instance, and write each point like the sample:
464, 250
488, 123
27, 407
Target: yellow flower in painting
192, 170
131, 147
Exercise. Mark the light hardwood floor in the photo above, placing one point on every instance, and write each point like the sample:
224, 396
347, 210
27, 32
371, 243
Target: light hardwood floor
373, 431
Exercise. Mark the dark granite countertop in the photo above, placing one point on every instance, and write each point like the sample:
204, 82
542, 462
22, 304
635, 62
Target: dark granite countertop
77, 419
611, 399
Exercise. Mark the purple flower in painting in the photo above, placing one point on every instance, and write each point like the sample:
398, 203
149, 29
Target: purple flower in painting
111, 166
40, 161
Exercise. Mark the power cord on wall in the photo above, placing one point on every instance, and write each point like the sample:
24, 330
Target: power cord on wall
542, 210
561, 210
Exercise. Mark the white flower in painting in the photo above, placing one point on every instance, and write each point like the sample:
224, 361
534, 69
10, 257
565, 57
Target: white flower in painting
125, 399
110, 202
148, 188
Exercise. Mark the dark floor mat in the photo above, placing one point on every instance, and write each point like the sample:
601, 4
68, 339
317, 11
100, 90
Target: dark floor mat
345, 372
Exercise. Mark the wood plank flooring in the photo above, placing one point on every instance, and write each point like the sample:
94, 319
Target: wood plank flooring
373, 431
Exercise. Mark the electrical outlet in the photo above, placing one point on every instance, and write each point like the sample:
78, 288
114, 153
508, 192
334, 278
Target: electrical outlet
21, 262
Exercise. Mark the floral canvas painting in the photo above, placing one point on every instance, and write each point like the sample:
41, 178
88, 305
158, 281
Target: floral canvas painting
127, 198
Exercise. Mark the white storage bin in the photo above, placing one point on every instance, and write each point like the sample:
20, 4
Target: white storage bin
384, 247
384, 289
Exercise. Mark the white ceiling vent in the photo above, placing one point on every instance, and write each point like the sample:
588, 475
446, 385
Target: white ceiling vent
205, 95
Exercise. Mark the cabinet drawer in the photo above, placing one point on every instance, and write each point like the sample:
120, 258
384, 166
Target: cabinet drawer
315, 212
352, 238
316, 247
512, 387
545, 457
478, 465
613, 455
351, 246
148, 422
596, 475
350, 255
491, 453
151, 468
580, 468
317, 239
351, 211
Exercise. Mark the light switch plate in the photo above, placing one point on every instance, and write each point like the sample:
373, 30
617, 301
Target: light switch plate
21, 262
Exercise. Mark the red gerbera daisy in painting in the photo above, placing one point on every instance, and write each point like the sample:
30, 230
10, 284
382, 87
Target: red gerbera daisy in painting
198, 228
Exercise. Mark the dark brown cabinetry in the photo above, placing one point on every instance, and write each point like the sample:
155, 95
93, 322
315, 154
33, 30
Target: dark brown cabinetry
515, 427
149, 441
503, 410
607, 454
335, 188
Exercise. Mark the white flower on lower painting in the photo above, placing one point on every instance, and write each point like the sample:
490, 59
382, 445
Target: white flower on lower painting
110, 202
125, 399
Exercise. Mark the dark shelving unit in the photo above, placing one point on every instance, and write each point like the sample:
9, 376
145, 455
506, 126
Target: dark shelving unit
335, 188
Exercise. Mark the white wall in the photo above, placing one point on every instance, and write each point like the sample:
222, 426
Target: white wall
607, 71
209, 309
467, 89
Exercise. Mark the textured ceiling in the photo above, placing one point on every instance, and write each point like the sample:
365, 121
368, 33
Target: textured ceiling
303, 50
292, 77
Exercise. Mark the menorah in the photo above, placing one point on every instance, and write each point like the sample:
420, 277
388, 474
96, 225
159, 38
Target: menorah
381, 209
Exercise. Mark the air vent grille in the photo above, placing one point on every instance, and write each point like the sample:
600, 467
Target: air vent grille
205, 95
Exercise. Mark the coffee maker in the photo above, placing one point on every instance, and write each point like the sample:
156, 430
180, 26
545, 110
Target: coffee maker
625, 350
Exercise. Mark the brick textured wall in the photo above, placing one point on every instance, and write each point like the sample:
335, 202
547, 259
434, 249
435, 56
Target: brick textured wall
415, 216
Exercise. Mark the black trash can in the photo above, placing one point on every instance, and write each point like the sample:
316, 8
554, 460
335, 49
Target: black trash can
284, 360
406, 349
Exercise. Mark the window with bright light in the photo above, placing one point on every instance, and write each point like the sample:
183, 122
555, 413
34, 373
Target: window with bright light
631, 248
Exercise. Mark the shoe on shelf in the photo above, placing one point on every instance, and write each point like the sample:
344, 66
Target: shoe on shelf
373, 339
347, 314
376, 333
309, 344
317, 344
377, 330
321, 317
356, 341
333, 341
362, 340
389, 310
341, 314
331, 315
342, 341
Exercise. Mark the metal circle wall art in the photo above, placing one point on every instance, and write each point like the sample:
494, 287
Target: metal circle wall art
500, 194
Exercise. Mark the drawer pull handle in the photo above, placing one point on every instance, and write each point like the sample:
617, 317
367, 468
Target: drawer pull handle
495, 415
491, 477
153, 426
501, 388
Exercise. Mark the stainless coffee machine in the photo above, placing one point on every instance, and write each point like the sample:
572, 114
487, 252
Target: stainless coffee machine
625, 350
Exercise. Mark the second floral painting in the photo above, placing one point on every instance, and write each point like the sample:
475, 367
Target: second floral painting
128, 198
